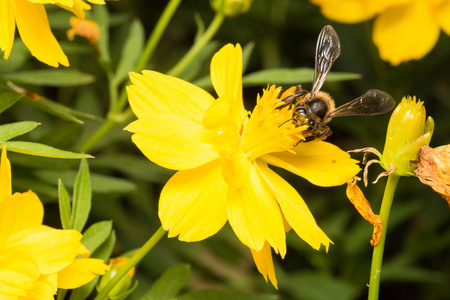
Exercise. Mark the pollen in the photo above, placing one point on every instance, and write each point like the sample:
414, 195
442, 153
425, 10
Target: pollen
269, 128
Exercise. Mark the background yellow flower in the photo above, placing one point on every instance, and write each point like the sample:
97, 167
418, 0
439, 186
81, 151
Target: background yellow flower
403, 29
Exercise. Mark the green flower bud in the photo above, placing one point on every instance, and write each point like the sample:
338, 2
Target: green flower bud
408, 131
231, 8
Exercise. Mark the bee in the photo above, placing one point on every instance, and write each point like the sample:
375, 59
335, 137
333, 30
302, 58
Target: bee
316, 108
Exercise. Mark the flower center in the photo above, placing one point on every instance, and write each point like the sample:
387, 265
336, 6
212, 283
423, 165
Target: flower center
269, 128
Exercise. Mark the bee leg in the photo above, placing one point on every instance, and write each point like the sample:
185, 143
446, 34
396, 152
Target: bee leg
285, 122
289, 100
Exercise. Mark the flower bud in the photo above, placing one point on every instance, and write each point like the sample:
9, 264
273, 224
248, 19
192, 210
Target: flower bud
408, 131
122, 288
231, 8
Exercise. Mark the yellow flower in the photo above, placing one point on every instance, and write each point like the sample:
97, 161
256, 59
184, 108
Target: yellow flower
403, 29
34, 29
408, 131
33, 256
222, 153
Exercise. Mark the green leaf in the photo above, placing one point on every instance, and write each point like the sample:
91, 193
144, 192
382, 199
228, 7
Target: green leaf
291, 76
96, 235
61, 111
81, 205
101, 16
313, 286
247, 51
170, 283
9, 131
51, 77
100, 183
64, 205
225, 295
8, 98
104, 252
37, 149
131, 51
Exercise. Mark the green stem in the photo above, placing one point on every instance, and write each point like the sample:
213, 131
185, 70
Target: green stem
198, 46
377, 258
134, 260
151, 45
115, 115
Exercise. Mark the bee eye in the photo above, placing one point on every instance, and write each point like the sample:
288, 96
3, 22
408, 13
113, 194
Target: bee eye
318, 107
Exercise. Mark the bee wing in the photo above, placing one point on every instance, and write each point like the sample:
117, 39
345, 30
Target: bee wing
373, 102
328, 49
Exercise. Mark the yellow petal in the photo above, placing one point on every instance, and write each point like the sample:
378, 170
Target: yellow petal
345, 11
226, 77
35, 32
173, 141
321, 163
62, 2
19, 212
52, 249
264, 263
153, 92
295, 210
80, 272
7, 26
43, 289
254, 214
5, 176
78, 7
405, 32
18, 272
442, 13
192, 203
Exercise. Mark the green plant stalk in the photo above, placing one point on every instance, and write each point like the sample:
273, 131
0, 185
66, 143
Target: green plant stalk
114, 115
377, 258
154, 39
134, 260
199, 44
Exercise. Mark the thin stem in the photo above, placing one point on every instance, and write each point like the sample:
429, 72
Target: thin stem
134, 260
199, 45
114, 115
377, 258
154, 39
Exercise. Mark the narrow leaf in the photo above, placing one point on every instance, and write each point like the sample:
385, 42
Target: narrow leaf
61, 111
96, 235
225, 295
170, 283
37, 149
100, 183
64, 205
9, 131
101, 16
291, 76
81, 205
8, 98
51, 77
131, 51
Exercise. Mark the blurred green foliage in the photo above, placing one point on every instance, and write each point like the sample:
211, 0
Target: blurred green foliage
126, 186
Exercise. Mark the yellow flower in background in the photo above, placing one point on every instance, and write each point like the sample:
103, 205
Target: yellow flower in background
403, 29
33, 256
222, 153
34, 29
